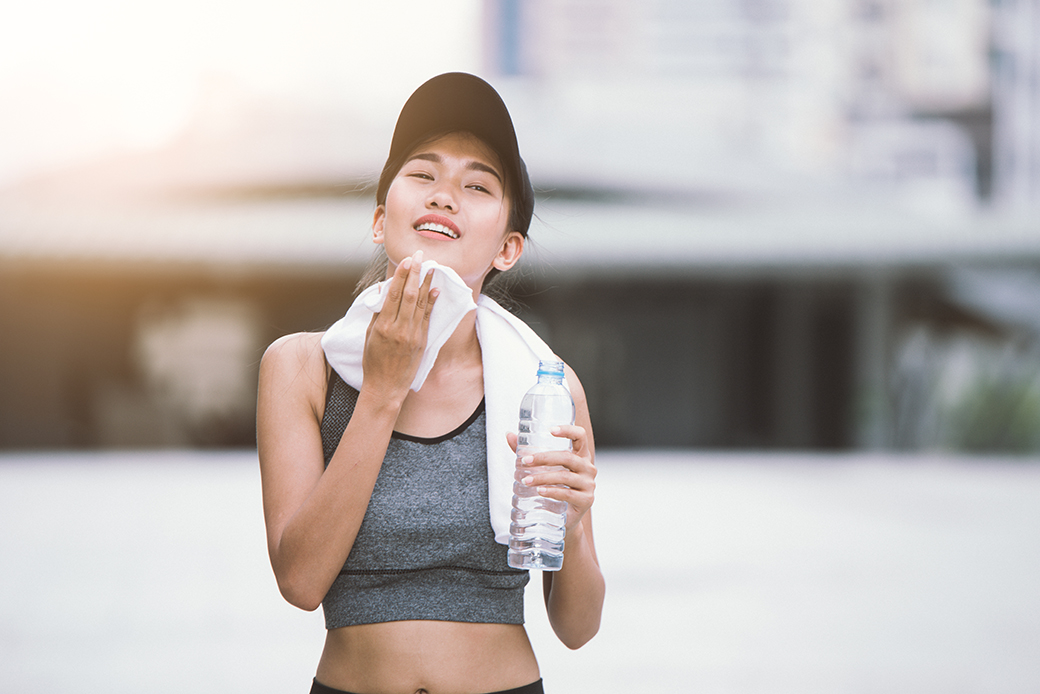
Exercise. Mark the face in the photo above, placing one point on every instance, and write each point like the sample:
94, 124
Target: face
449, 200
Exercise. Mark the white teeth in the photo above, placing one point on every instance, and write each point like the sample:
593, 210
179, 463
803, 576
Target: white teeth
439, 228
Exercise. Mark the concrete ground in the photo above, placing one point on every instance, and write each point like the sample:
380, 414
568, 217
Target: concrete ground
736, 573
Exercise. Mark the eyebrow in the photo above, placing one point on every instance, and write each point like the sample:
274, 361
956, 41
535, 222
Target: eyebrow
472, 165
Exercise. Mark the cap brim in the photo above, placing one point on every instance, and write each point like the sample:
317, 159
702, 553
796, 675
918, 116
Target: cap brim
453, 102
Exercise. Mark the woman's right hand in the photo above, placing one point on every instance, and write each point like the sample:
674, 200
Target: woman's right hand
396, 337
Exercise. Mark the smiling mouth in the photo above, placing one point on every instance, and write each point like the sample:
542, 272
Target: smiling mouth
437, 228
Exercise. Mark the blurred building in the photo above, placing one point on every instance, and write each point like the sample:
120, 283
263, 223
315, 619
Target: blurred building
867, 157
766, 224
1016, 99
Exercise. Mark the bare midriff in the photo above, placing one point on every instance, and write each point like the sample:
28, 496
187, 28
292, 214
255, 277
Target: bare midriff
427, 656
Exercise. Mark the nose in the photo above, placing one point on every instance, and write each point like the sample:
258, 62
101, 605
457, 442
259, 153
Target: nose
442, 198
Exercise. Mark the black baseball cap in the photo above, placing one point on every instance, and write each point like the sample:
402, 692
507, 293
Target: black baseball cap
460, 102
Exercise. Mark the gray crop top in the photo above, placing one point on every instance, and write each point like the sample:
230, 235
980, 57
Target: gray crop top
425, 549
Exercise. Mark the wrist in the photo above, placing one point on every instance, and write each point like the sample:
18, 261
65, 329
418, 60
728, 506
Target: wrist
382, 402
575, 534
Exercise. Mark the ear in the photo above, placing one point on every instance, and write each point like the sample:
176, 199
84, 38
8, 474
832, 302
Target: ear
378, 220
509, 254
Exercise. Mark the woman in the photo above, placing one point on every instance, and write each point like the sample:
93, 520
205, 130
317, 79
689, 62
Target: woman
376, 523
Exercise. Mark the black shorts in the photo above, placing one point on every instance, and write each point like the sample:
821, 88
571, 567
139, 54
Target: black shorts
533, 688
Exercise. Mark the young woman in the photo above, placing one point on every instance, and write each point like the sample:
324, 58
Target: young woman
376, 496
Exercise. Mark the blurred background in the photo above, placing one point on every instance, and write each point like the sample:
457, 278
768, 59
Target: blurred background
792, 247
809, 224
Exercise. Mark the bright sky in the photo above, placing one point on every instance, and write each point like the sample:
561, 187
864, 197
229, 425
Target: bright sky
79, 78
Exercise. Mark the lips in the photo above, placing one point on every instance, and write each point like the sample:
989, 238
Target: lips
437, 226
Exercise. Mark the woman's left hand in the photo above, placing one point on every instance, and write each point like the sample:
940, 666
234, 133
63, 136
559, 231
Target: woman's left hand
570, 475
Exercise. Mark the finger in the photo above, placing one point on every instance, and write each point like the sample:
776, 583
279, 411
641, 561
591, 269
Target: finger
575, 433
579, 501
567, 459
568, 431
511, 440
410, 295
580, 481
427, 296
395, 290
434, 293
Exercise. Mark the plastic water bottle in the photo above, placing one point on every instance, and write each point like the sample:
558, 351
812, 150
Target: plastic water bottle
538, 524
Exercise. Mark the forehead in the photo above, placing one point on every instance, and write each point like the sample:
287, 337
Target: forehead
462, 145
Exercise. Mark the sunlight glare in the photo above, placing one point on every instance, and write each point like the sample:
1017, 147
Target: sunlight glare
86, 78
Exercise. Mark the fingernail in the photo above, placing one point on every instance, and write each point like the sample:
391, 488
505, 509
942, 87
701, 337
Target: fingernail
434, 293
527, 459
527, 480
418, 257
406, 263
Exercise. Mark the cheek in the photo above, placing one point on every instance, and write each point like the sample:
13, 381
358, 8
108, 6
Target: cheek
496, 219
400, 192
395, 213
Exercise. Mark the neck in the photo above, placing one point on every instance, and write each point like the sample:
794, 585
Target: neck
462, 349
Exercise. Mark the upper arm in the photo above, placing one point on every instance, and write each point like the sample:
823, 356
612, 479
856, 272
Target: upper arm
289, 401
581, 406
584, 420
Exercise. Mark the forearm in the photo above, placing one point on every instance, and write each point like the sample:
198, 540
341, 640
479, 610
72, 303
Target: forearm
314, 542
574, 594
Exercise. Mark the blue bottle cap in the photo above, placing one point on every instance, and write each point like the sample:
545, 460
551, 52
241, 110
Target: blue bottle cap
550, 368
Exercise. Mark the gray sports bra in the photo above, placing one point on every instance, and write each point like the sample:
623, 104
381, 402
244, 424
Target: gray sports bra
425, 549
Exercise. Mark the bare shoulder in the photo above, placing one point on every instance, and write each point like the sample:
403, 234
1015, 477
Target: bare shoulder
297, 349
294, 363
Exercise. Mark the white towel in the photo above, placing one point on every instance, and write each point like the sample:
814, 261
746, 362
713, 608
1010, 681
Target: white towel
510, 352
